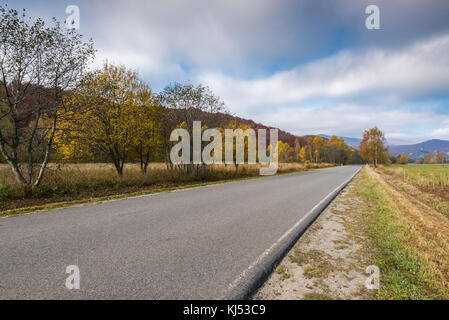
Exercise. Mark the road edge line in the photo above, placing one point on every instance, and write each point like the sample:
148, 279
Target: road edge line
258, 271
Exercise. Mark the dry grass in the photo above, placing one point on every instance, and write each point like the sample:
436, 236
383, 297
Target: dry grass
427, 182
413, 241
370, 223
68, 182
430, 177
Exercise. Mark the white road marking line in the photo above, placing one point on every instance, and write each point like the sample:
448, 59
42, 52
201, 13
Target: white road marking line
242, 275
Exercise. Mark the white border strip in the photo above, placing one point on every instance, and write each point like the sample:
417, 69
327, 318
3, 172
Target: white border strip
243, 277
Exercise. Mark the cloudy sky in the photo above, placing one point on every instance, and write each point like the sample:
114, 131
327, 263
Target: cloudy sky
308, 67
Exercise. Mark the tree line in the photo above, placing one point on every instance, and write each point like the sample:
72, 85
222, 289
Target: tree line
429, 158
318, 149
373, 150
53, 108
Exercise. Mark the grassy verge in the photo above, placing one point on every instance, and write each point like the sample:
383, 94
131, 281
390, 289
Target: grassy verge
409, 248
69, 203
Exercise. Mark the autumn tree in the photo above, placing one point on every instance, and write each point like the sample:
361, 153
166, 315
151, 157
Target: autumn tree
373, 147
147, 120
297, 150
331, 150
440, 158
428, 158
186, 103
309, 148
318, 143
38, 66
303, 155
285, 151
112, 111
243, 137
403, 159
336, 150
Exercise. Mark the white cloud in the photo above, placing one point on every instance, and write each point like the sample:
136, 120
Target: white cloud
348, 120
236, 47
442, 132
319, 97
201, 34
382, 75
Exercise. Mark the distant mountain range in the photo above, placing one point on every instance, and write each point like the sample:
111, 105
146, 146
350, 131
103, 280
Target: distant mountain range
419, 150
415, 151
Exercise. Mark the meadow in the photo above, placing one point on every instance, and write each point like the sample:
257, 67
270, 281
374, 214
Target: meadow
431, 177
427, 182
72, 182
408, 231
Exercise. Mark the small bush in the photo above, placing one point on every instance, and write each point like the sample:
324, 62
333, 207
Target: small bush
5, 192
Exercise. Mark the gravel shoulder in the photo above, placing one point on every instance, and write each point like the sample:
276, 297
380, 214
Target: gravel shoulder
330, 258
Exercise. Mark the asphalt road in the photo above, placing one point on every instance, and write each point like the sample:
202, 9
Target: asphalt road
187, 244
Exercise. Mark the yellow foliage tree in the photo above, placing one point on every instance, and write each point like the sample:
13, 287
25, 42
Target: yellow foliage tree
440, 157
239, 135
297, 150
403, 159
303, 155
285, 151
147, 120
429, 158
373, 147
318, 143
113, 115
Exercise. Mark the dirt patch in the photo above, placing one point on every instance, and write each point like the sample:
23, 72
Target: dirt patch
328, 261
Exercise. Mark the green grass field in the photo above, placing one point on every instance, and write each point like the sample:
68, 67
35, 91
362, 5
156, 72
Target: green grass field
431, 177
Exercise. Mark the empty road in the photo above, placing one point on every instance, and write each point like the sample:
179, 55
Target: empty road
200, 243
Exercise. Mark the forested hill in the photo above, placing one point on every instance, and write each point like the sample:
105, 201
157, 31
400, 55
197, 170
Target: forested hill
419, 150
282, 135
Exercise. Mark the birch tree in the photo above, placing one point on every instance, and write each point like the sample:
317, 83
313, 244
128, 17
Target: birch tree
38, 66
